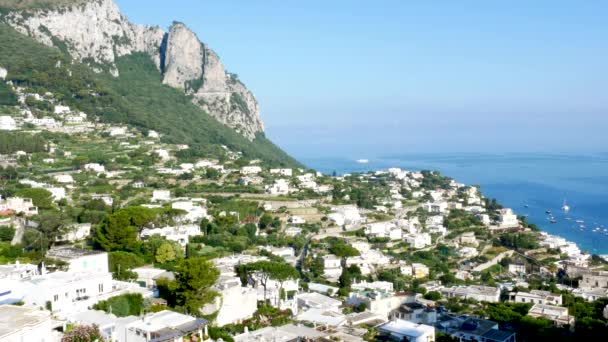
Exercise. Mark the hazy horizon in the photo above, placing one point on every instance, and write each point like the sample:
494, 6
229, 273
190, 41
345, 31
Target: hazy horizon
346, 76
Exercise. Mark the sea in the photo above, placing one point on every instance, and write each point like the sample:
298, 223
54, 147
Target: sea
530, 184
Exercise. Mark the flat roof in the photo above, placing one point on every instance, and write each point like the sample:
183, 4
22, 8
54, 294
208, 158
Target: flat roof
14, 318
70, 252
407, 328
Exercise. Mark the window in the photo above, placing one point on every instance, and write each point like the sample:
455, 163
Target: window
55, 298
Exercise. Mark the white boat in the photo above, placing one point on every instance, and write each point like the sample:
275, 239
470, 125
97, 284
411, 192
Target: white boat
565, 207
362, 161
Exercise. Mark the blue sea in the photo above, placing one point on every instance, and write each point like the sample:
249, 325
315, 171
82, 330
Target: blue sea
539, 181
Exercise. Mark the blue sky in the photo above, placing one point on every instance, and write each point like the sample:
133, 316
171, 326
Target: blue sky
358, 77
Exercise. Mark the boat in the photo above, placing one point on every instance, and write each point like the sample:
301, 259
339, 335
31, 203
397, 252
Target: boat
526, 206
579, 221
362, 161
552, 221
565, 207
547, 211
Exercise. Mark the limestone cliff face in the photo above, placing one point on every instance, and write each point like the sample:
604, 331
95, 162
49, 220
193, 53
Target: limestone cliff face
97, 33
189, 64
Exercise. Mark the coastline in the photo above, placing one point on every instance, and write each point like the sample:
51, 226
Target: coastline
505, 180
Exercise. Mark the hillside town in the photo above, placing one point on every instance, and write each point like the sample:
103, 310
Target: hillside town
110, 228
114, 231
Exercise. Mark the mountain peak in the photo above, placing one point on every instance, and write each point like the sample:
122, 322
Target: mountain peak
96, 33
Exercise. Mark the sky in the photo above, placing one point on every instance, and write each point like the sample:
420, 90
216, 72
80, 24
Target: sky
363, 78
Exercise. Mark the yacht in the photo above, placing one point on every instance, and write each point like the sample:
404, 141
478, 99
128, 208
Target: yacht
565, 207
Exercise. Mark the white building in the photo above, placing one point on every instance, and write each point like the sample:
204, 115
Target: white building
194, 211
7, 123
507, 218
332, 266
556, 314
282, 172
467, 252
16, 271
162, 154
76, 232
118, 131
436, 207
18, 205
61, 109
94, 167
479, 293
536, 297
250, 170
401, 330
161, 195
105, 198
165, 326
21, 323
418, 241
180, 234
81, 260
280, 187
64, 179
420, 270
235, 304
314, 300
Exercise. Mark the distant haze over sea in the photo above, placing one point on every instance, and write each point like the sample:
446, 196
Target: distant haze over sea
540, 181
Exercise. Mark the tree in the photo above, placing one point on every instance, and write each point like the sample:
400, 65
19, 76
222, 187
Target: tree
7, 233
130, 304
83, 333
433, 295
264, 270
118, 232
121, 264
165, 253
194, 278
40, 197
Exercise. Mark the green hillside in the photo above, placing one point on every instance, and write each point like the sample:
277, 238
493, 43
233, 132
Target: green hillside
137, 98
38, 4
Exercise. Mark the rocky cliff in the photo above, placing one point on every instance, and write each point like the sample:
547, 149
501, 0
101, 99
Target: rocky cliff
96, 33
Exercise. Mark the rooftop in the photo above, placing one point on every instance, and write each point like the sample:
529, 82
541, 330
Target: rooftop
14, 318
67, 253
406, 328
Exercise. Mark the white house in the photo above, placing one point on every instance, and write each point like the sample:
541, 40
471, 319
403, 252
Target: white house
314, 300
556, 314
106, 198
162, 154
436, 207
7, 123
282, 172
58, 193
61, 109
507, 218
76, 232
153, 134
235, 303
165, 326
332, 266
419, 240
81, 260
18, 205
280, 187
118, 131
94, 167
64, 179
180, 234
479, 293
3, 73
467, 252
250, 170
194, 211
21, 323
161, 195
536, 297
401, 330
419, 270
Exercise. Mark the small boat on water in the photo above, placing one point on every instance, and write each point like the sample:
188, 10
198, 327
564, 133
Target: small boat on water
552, 221
569, 218
565, 207
362, 161
579, 221
547, 211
